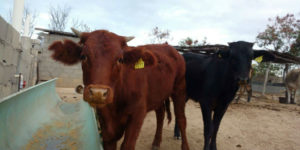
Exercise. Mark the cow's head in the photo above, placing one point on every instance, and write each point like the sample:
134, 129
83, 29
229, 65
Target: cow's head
239, 55
103, 56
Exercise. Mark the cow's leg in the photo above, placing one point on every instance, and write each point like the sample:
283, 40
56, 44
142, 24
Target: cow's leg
218, 115
110, 132
288, 95
295, 96
110, 145
179, 99
160, 115
133, 129
176, 132
249, 91
179, 105
176, 128
238, 96
181, 120
207, 122
241, 92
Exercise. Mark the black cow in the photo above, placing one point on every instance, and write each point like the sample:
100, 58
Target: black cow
213, 82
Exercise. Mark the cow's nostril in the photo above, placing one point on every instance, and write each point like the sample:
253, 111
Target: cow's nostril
91, 91
105, 94
99, 92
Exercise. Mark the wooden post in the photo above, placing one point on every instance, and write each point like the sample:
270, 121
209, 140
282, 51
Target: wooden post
266, 79
285, 71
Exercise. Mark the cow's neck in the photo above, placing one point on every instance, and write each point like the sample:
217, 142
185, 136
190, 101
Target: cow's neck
227, 77
111, 122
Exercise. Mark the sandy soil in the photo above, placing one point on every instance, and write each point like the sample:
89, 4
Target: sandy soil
262, 124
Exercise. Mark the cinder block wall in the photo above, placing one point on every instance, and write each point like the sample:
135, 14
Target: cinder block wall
17, 55
68, 76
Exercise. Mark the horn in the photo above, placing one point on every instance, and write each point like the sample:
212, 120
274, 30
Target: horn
76, 32
128, 38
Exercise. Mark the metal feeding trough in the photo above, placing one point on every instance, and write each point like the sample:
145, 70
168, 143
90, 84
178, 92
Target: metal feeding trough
37, 119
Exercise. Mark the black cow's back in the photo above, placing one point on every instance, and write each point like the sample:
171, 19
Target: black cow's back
208, 77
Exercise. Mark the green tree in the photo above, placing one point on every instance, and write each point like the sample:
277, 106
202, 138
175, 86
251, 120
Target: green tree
278, 36
190, 42
295, 48
159, 36
261, 68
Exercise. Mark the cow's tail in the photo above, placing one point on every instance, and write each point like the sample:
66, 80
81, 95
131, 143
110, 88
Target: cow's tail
167, 105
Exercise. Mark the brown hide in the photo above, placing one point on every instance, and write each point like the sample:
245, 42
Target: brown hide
121, 93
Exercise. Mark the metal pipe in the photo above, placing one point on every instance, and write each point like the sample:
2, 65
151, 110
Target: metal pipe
18, 14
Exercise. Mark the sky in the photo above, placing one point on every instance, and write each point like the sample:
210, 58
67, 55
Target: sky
220, 21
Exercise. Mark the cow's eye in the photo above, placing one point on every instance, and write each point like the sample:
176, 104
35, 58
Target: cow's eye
83, 58
120, 60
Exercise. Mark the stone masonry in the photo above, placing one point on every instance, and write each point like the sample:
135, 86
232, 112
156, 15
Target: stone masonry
17, 55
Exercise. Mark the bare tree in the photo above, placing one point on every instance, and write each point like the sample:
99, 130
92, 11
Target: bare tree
58, 17
27, 12
190, 42
79, 25
9, 15
33, 15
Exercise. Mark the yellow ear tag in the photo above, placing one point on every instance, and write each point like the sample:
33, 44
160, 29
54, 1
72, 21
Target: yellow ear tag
140, 64
259, 59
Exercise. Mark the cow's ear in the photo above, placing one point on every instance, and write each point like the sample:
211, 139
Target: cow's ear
67, 52
263, 56
222, 54
139, 58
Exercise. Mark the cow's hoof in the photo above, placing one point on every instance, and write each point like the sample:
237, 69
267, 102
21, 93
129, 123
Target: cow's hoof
177, 138
155, 147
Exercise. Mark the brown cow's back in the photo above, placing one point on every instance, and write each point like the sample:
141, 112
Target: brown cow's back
161, 77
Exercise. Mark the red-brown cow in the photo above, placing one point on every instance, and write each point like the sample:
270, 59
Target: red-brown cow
124, 83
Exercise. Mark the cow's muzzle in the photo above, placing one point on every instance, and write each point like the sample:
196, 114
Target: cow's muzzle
244, 76
243, 79
98, 95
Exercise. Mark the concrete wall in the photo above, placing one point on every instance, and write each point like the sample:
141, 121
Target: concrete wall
68, 76
17, 55
32, 59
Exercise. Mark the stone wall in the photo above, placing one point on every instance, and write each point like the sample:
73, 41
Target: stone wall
68, 76
17, 55
31, 58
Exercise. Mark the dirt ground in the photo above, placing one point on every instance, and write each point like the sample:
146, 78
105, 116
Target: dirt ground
262, 124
